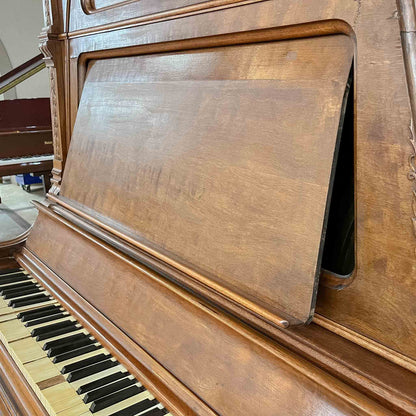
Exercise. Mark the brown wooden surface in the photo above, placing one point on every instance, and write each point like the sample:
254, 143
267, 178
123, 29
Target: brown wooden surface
15, 393
25, 115
382, 294
231, 368
25, 128
376, 310
378, 378
21, 73
9, 248
208, 170
42, 167
88, 14
21, 68
24, 144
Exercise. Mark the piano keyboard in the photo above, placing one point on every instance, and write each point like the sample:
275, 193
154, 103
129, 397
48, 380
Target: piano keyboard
70, 371
26, 159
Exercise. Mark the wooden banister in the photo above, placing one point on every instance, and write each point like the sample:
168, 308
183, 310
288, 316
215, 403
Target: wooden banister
21, 72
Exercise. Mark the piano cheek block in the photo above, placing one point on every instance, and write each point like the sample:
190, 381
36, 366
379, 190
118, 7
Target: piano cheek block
102, 383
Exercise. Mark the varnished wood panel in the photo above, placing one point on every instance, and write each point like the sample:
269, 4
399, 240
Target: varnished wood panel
227, 365
375, 376
15, 393
88, 14
220, 159
383, 292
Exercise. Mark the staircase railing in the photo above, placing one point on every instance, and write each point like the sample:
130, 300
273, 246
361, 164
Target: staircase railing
21, 72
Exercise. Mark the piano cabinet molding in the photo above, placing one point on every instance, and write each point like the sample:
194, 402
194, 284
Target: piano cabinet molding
383, 259
56, 19
349, 362
407, 16
10, 247
182, 314
86, 17
16, 396
90, 6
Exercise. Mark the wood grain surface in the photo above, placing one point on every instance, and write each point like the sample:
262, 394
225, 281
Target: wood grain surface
227, 365
220, 158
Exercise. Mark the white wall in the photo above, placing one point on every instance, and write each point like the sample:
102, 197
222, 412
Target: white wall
21, 22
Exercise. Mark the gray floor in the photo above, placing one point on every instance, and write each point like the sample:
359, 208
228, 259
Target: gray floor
17, 214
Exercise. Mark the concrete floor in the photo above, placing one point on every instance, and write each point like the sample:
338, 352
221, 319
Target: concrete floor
17, 214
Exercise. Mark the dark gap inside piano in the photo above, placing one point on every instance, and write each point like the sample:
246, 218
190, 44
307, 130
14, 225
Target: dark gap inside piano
339, 249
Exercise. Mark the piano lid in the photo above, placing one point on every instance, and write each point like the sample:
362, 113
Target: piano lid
218, 162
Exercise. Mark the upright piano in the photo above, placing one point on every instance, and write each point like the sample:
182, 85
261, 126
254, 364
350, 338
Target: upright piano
26, 137
231, 224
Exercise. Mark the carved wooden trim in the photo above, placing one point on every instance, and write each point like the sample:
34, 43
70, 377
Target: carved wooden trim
407, 14
51, 48
47, 13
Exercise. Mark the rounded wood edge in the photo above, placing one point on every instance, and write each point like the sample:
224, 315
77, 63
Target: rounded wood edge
88, 6
336, 281
365, 342
201, 7
15, 392
10, 247
356, 400
20, 239
165, 386
259, 312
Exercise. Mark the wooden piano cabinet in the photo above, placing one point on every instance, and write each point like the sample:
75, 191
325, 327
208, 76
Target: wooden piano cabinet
378, 305
16, 396
199, 345
199, 350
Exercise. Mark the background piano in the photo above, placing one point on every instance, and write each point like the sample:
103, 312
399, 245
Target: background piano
25, 128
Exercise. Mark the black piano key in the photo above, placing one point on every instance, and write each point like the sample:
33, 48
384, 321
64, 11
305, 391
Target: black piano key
102, 382
30, 300
56, 332
115, 398
54, 351
52, 327
84, 363
11, 276
58, 358
20, 293
48, 318
38, 312
22, 285
72, 339
155, 412
5, 281
136, 408
108, 389
66, 348
90, 370
11, 270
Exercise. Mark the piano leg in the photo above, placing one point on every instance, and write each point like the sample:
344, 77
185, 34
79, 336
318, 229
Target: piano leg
46, 180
